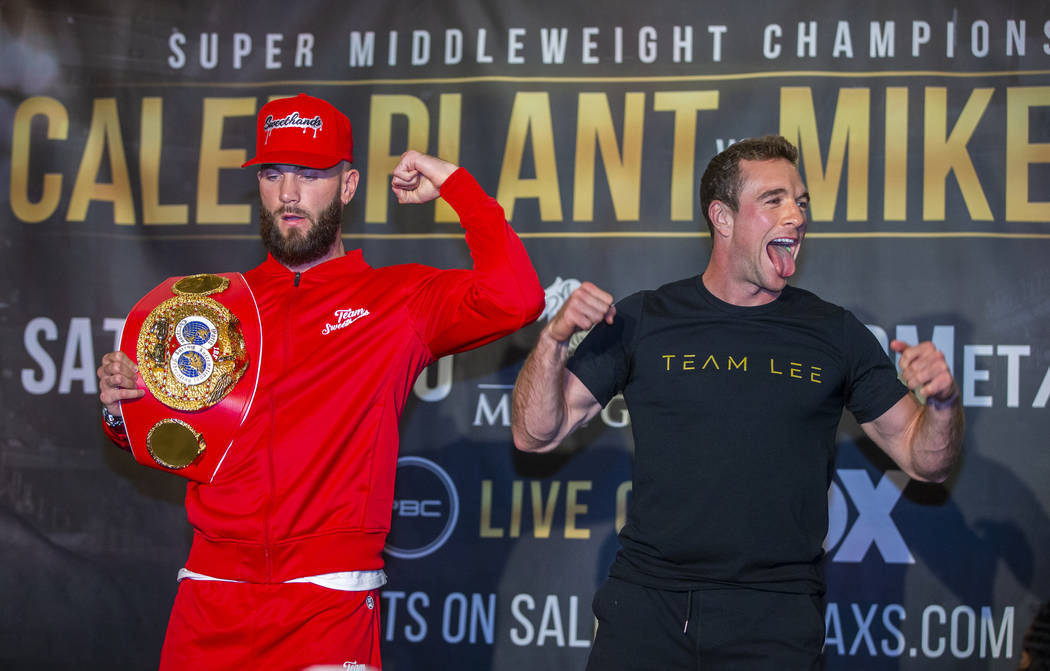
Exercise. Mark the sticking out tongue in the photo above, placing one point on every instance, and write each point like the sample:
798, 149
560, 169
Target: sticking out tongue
782, 259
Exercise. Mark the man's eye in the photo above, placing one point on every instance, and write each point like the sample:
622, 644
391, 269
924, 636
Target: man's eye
803, 204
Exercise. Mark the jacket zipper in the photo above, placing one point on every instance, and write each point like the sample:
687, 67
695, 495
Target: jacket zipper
273, 427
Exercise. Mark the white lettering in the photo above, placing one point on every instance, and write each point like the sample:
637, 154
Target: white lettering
420, 47
453, 46
514, 46
362, 48
45, 381
177, 59
972, 375
589, 45
552, 45
273, 50
770, 45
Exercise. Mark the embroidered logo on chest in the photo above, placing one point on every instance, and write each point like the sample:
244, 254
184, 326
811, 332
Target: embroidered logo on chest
345, 318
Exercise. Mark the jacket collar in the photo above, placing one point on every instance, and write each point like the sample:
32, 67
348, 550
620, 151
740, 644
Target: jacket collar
351, 262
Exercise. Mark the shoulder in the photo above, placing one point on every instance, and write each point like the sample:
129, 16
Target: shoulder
407, 273
671, 298
809, 304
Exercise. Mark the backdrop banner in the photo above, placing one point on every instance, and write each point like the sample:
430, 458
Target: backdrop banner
924, 133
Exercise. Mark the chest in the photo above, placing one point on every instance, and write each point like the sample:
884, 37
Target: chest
344, 326
794, 367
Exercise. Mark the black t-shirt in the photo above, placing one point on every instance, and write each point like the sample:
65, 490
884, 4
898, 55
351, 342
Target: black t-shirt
734, 412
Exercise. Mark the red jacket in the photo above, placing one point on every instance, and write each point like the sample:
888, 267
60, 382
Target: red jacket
307, 487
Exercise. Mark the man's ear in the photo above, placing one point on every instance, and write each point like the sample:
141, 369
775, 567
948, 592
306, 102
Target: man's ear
348, 185
722, 217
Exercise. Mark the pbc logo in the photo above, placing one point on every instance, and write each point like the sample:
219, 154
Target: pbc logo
426, 507
873, 525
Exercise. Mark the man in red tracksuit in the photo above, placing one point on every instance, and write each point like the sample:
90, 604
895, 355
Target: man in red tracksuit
286, 558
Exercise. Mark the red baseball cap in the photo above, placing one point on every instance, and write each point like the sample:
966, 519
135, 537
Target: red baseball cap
303, 131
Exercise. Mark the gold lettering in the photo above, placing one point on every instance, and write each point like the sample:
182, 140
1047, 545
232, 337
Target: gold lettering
450, 116
942, 156
381, 160
621, 504
543, 511
795, 370
814, 374
667, 358
574, 509
150, 136
689, 362
685, 105
213, 158
1020, 153
57, 129
710, 360
895, 182
516, 498
487, 530
594, 125
531, 112
741, 364
850, 128
103, 136
773, 370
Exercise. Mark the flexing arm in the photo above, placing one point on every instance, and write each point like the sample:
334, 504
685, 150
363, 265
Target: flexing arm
418, 178
549, 402
924, 440
457, 310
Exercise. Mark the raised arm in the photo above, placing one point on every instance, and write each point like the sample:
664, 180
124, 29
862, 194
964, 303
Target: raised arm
457, 310
925, 439
418, 178
549, 402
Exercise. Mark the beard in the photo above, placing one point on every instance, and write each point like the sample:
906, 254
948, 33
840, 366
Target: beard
296, 247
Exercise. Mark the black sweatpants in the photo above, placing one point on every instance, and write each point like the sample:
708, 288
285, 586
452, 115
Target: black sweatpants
725, 629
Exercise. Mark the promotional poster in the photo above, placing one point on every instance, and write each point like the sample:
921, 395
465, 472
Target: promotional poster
924, 138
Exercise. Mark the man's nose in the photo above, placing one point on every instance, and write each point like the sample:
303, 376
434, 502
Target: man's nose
289, 188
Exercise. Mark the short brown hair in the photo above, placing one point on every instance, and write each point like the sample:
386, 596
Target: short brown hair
721, 180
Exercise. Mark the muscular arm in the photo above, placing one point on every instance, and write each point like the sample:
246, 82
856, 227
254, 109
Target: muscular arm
549, 402
457, 310
924, 440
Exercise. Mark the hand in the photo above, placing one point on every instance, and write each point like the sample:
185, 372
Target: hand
584, 308
925, 371
418, 177
116, 379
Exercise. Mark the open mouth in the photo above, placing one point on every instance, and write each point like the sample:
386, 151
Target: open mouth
781, 253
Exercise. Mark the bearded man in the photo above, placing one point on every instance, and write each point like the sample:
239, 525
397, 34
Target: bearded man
286, 561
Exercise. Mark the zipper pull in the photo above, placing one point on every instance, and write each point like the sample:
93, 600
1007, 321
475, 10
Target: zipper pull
297, 276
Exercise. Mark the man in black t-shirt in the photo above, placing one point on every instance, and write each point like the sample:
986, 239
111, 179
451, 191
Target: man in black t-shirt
735, 383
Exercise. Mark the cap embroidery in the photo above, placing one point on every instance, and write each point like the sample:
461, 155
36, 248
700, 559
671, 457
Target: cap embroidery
293, 120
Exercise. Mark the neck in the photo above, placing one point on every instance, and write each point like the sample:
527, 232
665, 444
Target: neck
334, 252
718, 279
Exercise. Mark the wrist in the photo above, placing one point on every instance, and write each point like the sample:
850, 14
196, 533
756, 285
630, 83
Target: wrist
943, 404
553, 339
111, 420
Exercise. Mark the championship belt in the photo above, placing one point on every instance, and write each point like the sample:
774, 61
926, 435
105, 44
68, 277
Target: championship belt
197, 342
